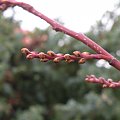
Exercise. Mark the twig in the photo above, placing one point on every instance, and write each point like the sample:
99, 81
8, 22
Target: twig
50, 55
105, 83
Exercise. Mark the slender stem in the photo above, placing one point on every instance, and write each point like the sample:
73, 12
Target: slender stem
57, 27
105, 83
50, 55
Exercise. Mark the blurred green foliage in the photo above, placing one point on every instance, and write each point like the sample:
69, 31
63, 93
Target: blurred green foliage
48, 91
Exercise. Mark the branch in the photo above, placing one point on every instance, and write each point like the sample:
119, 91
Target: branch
50, 55
57, 27
105, 83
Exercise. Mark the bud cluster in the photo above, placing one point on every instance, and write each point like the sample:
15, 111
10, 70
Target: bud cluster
50, 55
105, 83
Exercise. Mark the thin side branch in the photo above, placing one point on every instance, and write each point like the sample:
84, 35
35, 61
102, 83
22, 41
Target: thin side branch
50, 55
57, 27
105, 83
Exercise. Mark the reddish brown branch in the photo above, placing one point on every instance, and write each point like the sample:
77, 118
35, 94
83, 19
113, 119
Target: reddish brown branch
76, 56
105, 83
56, 26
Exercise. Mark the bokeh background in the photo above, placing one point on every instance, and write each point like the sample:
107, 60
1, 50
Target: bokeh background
31, 90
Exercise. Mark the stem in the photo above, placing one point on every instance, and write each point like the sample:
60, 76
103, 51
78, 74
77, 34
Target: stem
105, 83
50, 55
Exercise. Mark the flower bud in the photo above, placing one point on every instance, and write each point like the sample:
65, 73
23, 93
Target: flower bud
25, 51
57, 60
86, 53
44, 60
70, 61
82, 60
42, 55
104, 86
29, 56
77, 53
67, 56
109, 80
51, 53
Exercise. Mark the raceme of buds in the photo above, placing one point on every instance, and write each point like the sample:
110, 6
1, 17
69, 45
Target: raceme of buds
80, 57
105, 83
50, 55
